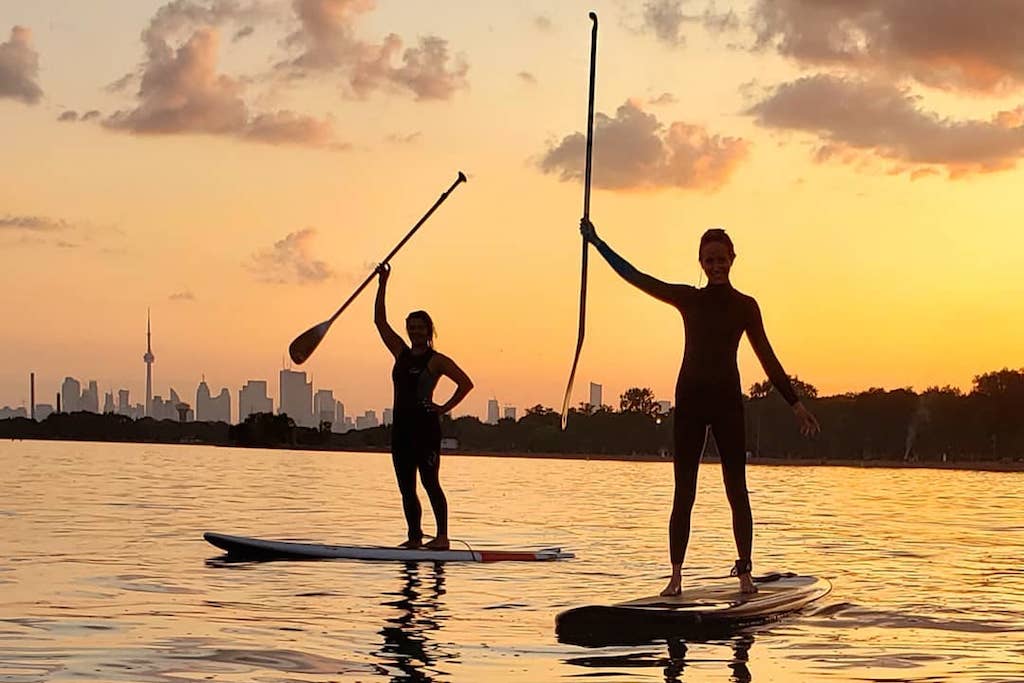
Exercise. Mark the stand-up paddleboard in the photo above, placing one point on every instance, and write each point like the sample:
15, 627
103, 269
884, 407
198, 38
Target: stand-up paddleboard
240, 547
697, 612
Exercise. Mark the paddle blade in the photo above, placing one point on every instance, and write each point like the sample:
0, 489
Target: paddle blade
303, 346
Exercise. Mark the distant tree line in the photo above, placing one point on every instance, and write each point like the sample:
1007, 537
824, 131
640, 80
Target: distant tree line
936, 425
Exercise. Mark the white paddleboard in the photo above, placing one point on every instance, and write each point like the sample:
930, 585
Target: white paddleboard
255, 548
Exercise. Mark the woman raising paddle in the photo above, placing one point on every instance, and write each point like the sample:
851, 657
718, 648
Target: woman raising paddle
416, 430
708, 389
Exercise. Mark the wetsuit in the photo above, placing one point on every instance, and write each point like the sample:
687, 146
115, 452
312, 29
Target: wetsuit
416, 439
708, 393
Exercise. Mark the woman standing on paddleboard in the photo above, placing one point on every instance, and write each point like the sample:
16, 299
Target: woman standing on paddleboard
708, 389
416, 430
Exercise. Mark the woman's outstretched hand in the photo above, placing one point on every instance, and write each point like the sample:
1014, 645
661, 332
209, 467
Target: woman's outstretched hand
383, 272
588, 231
808, 423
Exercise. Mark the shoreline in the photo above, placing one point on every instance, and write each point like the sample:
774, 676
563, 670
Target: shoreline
880, 463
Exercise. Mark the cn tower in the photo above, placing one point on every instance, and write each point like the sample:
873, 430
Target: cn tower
149, 358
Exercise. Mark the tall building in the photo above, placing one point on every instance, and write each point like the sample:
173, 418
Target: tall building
252, 399
212, 409
664, 407
325, 407
43, 411
596, 395
108, 402
149, 358
71, 395
91, 398
123, 405
367, 421
388, 417
510, 413
296, 398
32, 395
492, 411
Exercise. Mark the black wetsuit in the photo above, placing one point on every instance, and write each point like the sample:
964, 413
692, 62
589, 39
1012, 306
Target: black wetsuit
416, 439
708, 393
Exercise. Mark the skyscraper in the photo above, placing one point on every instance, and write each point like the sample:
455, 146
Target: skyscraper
91, 398
596, 398
510, 413
252, 399
212, 409
492, 411
149, 358
296, 399
70, 395
324, 406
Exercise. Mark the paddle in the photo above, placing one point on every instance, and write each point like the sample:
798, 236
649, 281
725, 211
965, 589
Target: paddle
303, 346
586, 214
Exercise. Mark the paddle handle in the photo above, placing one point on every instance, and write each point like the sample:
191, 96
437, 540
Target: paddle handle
444, 195
582, 330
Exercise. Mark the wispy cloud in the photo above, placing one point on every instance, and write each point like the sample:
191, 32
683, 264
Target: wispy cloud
184, 295
290, 261
327, 43
181, 91
635, 151
527, 77
32, 224
855, 119
19, 67
947, 44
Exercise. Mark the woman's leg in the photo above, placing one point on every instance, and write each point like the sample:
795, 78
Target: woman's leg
728, 428
405, 472
430, 471
689, 433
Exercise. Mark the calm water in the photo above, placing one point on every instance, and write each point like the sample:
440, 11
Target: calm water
104, 575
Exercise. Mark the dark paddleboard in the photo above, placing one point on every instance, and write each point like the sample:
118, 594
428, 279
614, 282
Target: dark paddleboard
710, 611
241, 547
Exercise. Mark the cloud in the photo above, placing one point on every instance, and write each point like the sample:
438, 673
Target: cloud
19, 67
181, 93
527, 77
90, 115
327, 43
290, 261
542, 23
31, 224
855, 119
243, 33
400, 139
666, 18
69, 115
947, 44
184, 295
634, 151
663, 98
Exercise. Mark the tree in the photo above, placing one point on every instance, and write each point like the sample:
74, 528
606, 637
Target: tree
639, 400
803, 389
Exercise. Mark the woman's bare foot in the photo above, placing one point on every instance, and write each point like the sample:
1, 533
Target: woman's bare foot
411, 544
674, 587
438, 543
747, 584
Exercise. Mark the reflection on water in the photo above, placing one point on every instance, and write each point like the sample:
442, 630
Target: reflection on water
104, 574
676, 662
409, 639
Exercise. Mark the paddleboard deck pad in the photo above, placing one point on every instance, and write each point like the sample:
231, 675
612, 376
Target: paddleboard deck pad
241, 547
706, 612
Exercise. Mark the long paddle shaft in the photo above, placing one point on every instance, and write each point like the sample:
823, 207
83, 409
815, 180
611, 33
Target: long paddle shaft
586, 215
303, 346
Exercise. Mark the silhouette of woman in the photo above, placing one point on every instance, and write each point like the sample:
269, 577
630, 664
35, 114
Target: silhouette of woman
708, 389
416, 430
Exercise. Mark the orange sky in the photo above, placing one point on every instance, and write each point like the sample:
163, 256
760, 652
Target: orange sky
873, 196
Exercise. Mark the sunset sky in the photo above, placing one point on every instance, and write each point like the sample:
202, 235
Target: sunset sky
238, 166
